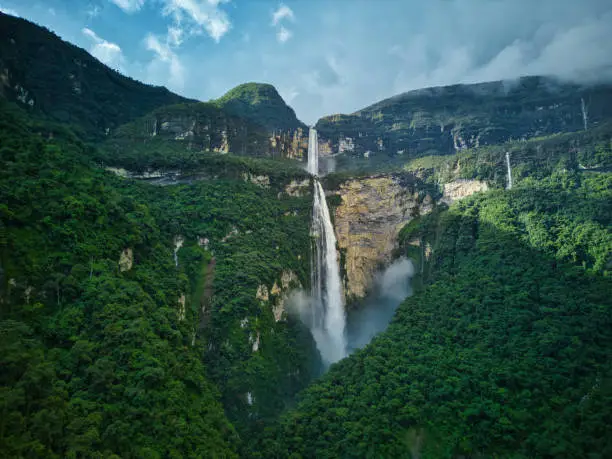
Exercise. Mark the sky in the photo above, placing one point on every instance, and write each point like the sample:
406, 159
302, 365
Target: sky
333, 56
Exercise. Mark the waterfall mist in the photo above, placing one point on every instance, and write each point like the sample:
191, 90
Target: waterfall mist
391, 287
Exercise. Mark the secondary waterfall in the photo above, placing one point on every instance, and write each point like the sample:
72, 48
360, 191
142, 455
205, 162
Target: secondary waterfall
327, 316
509, 185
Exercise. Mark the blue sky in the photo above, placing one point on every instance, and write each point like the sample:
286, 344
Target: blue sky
333, 56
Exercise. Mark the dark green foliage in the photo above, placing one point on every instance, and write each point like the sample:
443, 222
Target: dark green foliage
67, 84
503, 354
99, 361
589, 151
94, 361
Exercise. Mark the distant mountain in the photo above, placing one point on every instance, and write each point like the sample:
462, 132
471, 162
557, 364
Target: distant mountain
64, 82
262, 104
444, 120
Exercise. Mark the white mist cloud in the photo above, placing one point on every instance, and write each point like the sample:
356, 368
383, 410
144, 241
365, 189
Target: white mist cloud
379, 49
166, 68
283, 35
107, 52
129, 6
283, 12
200, 15
391, 287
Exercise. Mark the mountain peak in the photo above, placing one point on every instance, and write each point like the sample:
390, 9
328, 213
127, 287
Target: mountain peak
260, 102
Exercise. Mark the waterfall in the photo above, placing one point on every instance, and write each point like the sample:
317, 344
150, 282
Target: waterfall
313, 152
327, 317
509, 185
178, 243
585, 113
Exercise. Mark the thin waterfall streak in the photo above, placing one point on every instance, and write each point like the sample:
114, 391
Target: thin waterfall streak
509, 184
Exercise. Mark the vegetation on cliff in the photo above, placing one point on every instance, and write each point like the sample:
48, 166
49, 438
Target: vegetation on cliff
446, 120
144, 321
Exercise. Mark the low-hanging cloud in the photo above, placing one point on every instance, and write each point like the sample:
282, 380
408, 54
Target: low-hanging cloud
105, 51
383, 48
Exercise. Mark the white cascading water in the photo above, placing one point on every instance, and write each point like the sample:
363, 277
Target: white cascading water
328, 320
313, 152
509, 185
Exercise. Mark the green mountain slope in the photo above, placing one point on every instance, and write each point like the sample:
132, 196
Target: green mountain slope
260, 103
177, 136
449, 119
67, 84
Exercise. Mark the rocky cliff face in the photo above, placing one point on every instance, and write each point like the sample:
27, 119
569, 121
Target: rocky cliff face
367, 222
206, 127
449, 119
462, 188
371, 213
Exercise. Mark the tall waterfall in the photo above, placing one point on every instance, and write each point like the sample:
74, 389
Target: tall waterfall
313, 152
585, 113
509, 185
328, 320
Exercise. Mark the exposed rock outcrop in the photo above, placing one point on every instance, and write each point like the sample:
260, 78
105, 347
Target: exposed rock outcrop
298, 188
126, 260
370, 216
367, 222
279, 293
462, 188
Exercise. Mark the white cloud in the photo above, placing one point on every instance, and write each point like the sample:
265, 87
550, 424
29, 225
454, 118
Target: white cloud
9, 11
283, 12
166, 68
175, 36
105, 51
283, 35
204, 14
93, 11
129, 6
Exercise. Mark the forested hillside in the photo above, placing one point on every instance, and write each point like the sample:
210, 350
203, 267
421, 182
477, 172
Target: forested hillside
447, 120
103, 332
65, 83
